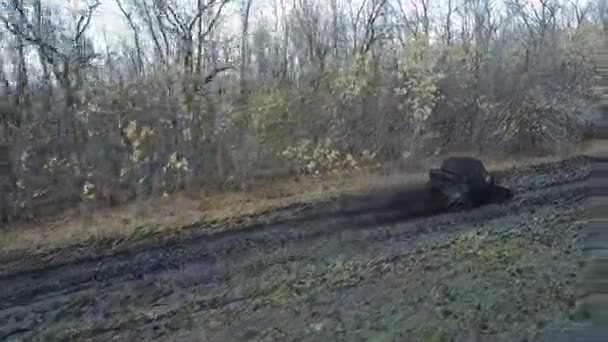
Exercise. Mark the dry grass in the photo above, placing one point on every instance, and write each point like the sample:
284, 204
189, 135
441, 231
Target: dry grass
172, 214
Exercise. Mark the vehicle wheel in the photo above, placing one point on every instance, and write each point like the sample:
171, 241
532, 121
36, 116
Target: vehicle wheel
458, 195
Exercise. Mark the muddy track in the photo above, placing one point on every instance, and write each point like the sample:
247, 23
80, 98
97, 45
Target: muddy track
376, 208
32, 300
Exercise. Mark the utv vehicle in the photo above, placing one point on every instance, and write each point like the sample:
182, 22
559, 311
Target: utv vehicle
465, 182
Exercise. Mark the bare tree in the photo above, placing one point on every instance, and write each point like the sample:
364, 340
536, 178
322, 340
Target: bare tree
67, 61
393, 77
245, 54
136, 37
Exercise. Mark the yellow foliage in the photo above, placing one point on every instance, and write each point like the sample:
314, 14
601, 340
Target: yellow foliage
24, 158
418, 90
131, 130
270, 104
88, 190
140, 138
320, 158
53, 164
187, 134
176, 163
353, 80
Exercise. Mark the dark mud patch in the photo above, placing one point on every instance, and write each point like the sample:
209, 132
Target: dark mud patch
378, 207
503, 272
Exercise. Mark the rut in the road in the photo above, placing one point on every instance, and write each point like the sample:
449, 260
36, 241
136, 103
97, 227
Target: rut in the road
534, 187
205, 276
376, 208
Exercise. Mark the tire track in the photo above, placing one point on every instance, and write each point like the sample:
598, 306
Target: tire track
351, 206
23, 289
564, 197
44, 293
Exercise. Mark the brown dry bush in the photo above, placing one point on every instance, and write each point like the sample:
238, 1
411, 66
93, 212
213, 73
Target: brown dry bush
137, 135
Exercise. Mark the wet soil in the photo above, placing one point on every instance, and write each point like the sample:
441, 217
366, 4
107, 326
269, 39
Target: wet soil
352, 269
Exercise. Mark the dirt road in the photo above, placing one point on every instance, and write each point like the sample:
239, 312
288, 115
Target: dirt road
501, 272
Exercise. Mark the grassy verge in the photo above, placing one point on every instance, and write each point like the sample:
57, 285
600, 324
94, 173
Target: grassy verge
497, 283
473, 283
